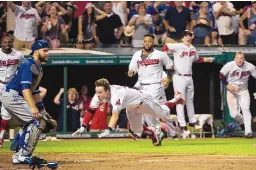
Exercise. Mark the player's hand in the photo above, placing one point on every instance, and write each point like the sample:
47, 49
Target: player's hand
104, 134
233, 88
130, 73
35, 112
166, 81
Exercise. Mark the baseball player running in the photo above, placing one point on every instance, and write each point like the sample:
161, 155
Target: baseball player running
184, 55
17, 99
9, 62
148, 63
137, 104
235, 75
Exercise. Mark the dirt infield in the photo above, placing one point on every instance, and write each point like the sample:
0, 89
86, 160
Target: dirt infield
131, 161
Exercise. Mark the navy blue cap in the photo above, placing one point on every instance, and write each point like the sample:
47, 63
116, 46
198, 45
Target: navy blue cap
185, 33
39, 44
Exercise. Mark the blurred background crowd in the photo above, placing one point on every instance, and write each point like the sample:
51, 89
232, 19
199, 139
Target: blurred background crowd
103, 24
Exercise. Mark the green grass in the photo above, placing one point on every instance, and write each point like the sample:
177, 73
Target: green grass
206, 146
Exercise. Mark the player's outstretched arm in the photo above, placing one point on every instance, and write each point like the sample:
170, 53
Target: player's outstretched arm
111, 125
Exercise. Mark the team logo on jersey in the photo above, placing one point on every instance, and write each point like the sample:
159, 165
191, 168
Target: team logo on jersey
237, 73
118, 102
189, 54
147, 62
27, 16
9, 62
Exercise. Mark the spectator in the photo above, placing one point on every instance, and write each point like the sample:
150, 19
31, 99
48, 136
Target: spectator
119, 8
142, 22
250, 33
201, 25
159, 30
85, 26
108, 31
223, 12
85, 99
240, 8
70, 7
133, 9
43, 8
163, 7
54, 26
2, 20
151, 7
176, 21
26, 20
74, 110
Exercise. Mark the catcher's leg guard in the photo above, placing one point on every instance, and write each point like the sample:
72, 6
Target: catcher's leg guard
27, 142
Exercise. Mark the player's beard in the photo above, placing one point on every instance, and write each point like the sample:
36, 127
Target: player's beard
42, 59
148, 50
7, 49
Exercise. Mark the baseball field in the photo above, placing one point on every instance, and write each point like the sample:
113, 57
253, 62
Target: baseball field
127, 154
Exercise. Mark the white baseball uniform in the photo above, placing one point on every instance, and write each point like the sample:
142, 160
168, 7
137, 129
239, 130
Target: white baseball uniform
8, 66
150, 76
238, 77
184, 56
137, 103
26, 23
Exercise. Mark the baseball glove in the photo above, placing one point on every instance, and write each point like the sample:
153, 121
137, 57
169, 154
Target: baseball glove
50, 123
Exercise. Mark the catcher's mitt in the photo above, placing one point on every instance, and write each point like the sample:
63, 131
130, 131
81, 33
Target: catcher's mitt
50, 123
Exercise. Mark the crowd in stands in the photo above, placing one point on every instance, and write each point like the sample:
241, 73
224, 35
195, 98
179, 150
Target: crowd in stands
88, 24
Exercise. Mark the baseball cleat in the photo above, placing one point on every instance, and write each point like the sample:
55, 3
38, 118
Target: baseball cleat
160, 138
153, 136
248, 136
1, 142
178, 97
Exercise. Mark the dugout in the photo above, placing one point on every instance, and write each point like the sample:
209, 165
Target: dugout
69, 67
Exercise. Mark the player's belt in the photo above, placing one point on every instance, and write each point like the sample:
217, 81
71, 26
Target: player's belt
188, 75
3, 82
150, 83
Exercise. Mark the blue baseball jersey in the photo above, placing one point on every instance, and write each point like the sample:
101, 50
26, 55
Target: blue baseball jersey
27, 76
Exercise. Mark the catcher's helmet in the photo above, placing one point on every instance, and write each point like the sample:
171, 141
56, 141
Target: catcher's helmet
39, 44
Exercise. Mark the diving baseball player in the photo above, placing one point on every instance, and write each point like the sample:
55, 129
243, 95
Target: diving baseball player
149, 63
10, 59
235, 75
184, 55
17, 99
137, 104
